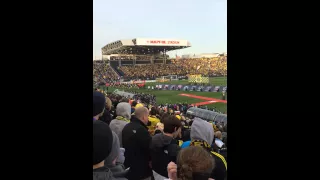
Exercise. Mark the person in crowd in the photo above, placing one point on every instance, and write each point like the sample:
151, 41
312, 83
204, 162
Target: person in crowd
106, 117
202, 135
223, 95
186, 134
153, 119
219, 146
123, 118
159, 128
116, 158
99, 103
133, 105
136, 141
224, 134
164, 147
193, 163
102, 145
218, 139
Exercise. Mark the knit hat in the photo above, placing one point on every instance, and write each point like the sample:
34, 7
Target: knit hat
99, 103
102, 141
115, 150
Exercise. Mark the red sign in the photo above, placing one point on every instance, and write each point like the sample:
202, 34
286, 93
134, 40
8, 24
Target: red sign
162, 42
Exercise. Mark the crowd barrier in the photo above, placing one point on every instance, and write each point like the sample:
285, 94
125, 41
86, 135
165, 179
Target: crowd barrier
208, 115
122, 93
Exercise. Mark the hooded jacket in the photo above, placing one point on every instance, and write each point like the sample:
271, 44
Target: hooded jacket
118, 170
164, 149
203, 131
122, 119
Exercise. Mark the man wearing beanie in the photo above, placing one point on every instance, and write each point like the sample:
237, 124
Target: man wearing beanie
102, 143
99, 103
202, 135
123, 118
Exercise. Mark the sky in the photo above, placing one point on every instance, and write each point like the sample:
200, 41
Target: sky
203, 23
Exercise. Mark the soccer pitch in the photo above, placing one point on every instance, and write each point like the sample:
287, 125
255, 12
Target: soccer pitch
210, 99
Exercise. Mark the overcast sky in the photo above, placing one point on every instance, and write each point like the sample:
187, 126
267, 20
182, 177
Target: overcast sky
203, 23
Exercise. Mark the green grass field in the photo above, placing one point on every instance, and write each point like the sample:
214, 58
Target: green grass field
169, 96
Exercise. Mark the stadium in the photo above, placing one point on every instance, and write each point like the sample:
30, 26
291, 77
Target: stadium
142, 65
163, 91
160, 90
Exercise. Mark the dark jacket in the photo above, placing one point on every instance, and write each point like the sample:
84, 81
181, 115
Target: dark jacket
164, 149
104, 173
220, 170
136, 140
106, 117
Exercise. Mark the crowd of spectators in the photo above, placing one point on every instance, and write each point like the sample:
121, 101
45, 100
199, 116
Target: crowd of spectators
103, 73
149, 71
137, 140
216, 66
182, 67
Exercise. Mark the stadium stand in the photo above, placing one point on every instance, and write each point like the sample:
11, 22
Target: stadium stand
205, 66
103, 73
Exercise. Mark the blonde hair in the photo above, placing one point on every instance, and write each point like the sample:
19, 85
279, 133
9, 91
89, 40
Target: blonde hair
109, 103
160, 126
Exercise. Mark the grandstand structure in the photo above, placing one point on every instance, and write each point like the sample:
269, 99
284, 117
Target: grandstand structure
141, 50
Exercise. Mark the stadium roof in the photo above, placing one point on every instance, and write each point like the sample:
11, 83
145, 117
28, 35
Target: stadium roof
144, 46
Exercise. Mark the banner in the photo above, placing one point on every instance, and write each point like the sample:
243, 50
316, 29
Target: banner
208, 88
193, 88
217, 89
198, 88
186, 88
172, 87
198, 79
